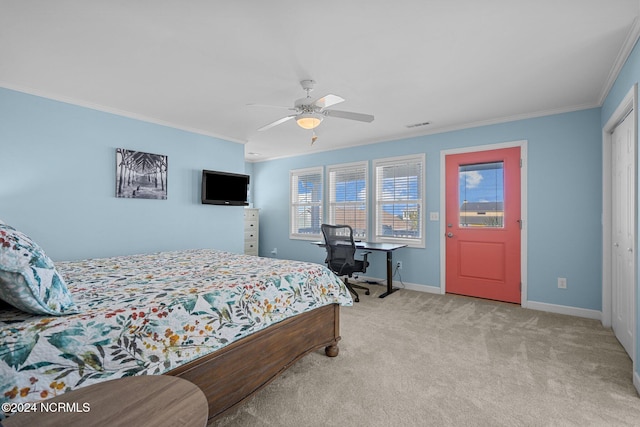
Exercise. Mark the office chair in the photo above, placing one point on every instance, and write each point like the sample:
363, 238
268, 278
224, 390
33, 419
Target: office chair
341, 248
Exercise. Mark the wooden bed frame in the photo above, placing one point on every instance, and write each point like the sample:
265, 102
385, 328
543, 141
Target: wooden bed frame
234, 373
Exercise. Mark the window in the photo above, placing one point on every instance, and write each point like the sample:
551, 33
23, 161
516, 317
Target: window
347, 186
481, 193
399, 204
306, 203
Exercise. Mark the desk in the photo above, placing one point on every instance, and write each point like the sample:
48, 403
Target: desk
384, 247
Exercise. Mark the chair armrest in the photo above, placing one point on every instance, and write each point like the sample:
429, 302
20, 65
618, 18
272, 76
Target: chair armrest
365, 261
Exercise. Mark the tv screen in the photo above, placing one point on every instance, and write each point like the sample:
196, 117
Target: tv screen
224, 188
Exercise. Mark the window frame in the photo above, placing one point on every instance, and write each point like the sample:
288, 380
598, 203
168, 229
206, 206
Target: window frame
420, 159
330, 193
293, 206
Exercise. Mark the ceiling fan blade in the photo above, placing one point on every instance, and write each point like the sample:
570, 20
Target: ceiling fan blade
276, 123
328, 100
269, 105
349, 115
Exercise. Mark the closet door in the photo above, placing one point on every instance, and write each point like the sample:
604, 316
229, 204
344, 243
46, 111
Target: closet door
623, 232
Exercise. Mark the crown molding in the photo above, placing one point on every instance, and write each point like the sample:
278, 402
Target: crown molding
432, 131
621, 59
116, 111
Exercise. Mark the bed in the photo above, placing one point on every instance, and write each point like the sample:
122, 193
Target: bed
228, 323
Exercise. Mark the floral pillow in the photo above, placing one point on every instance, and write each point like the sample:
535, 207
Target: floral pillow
28, 278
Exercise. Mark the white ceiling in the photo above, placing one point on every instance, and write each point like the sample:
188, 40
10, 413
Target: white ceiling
196, 65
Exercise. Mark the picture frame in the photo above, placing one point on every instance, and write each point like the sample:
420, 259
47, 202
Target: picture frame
141, 175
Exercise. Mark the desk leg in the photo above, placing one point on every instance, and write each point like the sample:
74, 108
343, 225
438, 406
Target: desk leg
390, 288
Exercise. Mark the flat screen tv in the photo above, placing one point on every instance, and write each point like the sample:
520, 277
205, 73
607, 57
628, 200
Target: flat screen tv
224, 188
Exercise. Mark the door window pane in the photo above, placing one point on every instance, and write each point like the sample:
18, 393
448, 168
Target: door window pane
481, 195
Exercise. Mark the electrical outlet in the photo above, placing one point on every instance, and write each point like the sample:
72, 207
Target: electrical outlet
274, 252
399, 265
562, 282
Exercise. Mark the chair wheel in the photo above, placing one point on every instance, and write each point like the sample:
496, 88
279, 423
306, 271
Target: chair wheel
367, 293
357, 299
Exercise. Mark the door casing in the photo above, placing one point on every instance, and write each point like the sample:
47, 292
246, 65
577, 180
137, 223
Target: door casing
523, 209
630, 102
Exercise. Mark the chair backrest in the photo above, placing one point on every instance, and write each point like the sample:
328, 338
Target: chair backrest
340, 246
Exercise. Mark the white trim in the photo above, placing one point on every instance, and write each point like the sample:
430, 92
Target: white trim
621, 59
298, 172
565, 309
532, 305
523, 209
629, 103
249, 159
437, 130
117, 112
422, 288
401, 285
390, 161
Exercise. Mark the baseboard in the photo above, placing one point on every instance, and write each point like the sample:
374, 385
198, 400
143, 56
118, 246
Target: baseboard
564, 309
403, 285
636, 381
423, 288
533, 305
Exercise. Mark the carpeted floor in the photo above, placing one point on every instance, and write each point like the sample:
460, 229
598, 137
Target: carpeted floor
418, 359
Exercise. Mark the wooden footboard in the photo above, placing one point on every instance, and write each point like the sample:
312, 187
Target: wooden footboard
234, 373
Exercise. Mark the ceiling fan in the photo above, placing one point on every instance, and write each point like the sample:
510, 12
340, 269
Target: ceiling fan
309, 112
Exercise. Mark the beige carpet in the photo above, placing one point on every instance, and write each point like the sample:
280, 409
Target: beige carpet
417, 359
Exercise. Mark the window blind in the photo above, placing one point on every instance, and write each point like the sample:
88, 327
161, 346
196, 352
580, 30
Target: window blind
306, 203
399, 199
348, 197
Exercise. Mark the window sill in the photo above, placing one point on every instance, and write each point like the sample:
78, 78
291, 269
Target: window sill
310, 237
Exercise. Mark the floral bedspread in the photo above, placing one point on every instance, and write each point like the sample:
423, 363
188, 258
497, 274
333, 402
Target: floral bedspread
148, 314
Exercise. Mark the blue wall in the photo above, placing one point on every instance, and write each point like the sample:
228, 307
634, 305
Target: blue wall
57, 182
564, 200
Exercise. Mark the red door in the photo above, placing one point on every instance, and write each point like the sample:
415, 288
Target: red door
483, 224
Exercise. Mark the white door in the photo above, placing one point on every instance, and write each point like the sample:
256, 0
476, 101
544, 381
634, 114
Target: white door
623, 232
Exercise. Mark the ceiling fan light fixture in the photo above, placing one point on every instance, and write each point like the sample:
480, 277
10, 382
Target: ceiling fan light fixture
308, 120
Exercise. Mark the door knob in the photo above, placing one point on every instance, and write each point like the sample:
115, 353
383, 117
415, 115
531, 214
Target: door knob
449, 234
